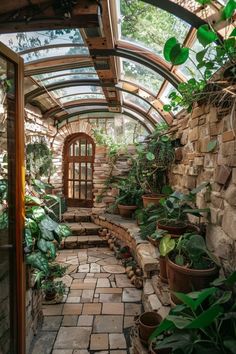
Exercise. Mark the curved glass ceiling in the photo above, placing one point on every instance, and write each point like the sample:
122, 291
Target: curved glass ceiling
150, 26
68, 77
73, 90
142, 76
22, 41
133, 99
82, 96
54, 52
48, 76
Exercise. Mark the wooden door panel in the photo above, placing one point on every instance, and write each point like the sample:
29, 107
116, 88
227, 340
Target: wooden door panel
79, 152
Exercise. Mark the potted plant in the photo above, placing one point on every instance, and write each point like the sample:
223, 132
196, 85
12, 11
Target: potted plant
52, 288
203, 323
155, 154
190, 265
176, 207
147, 322
167, 244
129, 196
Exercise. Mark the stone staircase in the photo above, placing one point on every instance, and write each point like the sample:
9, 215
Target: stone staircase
84, 231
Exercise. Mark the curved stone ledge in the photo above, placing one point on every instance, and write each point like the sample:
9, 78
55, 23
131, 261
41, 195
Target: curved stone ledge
127, 232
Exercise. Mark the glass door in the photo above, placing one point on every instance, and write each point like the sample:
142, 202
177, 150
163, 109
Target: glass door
78, 170
12, 293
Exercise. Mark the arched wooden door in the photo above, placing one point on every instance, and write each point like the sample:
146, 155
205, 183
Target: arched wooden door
79, 152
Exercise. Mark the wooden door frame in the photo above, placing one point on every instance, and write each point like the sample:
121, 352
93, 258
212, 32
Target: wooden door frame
68, 141
19, 290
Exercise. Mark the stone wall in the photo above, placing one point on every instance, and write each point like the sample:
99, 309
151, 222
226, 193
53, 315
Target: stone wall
197, 163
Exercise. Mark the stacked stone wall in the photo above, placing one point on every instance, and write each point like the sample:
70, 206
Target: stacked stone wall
196, 163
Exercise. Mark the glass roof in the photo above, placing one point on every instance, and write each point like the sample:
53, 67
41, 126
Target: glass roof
81, 96
54, 52
28, 40
68, 77
150, 26
74, 90
47, 76
133, 99
142, 76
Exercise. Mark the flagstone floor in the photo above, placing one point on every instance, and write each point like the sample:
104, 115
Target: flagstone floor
98, 309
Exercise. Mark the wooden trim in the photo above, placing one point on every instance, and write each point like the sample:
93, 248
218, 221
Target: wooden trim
19, 266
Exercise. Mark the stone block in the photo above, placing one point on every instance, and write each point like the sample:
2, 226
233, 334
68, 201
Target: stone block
227, 148
228, 136
203, 144
229, 222
218, 242
193, 123
234, 175
198, 161
198, 111
222, 174
217, 200
230, 195
212, 115
194, 134
190, 182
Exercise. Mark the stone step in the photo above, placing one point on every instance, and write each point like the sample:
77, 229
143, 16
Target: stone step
83, 228
74, 242
76, 216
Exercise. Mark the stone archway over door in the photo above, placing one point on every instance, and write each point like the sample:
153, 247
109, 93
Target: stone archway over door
79, 152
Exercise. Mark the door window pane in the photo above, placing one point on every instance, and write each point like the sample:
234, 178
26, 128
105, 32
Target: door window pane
70, 189
82, 190
89, 190
77, 168
70, 171
83, 170
83, 147
77, 190
76, 149
89, 171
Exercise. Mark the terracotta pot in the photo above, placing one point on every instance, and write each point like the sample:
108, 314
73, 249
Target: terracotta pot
49, 296
163, 269
126, 211
185, 280
148, 321
173, 230
149, 199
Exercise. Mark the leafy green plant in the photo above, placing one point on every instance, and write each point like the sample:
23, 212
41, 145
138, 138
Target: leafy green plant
178, 205
167, 244
155, 154
191, 251
129, 192
39, 160
203, 323
53, 287
215, 53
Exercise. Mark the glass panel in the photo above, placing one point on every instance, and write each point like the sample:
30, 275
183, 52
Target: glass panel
136, 100
77, 190
83, 170
71, 150
19, 42
154, 114
89, 149
82, 147
142, 76
89, 190
70, 171
76, 144
74, 90
47, 76
82, 96
82, 190
77, 167
89, 171
70, 189
150, 26
54, 52
54, 80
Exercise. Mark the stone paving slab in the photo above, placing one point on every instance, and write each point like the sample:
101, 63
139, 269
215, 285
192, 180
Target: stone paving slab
73, 337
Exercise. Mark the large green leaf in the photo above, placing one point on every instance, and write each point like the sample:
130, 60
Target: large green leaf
228, 10
169, 45
42, 245
167, 244
163, 326
32, 225
30, 199
204, 2
206, 318
38, 213
46, 234
150, 156
29, 241
211, 145
179, 55
38, 261
63, 230
49, 224
230, 344
3, 220
182, 340
52, 248
205, 35
179, 321
195, 299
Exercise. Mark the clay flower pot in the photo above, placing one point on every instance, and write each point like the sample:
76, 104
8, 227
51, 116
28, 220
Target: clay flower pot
147, 322
163, 269
172, 229
149, 199
126, 211
50, 295
186, 280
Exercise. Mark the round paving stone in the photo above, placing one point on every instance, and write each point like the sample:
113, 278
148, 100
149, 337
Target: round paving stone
114, 269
